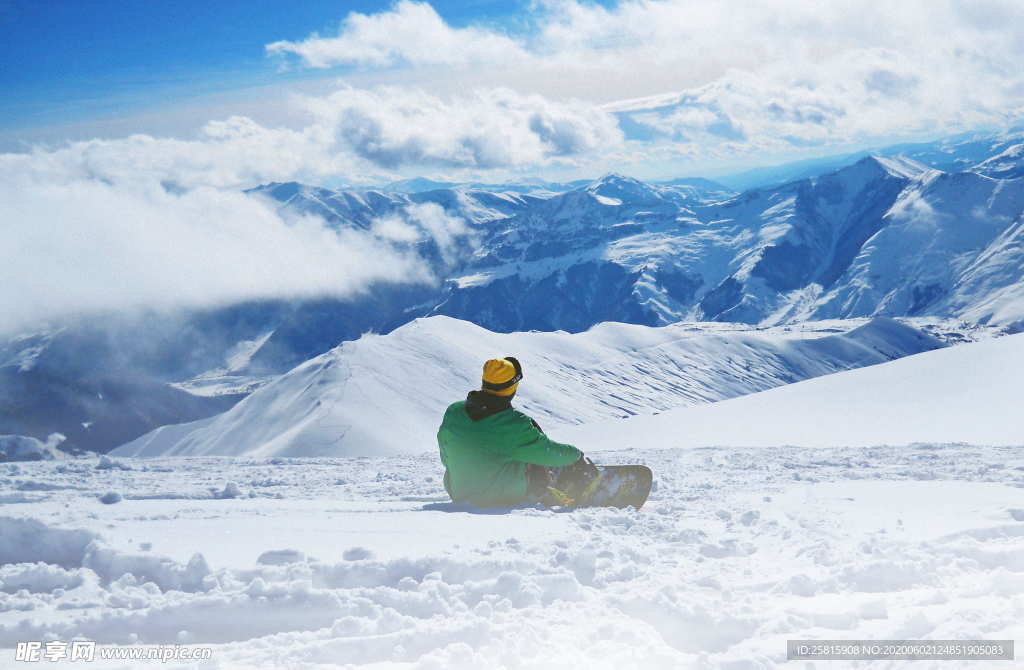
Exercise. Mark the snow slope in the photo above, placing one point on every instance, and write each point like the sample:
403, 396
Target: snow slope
362, 562
385, 394
969, 393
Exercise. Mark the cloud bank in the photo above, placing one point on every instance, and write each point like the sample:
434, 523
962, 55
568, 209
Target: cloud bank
716, 81
88, 246
485, 129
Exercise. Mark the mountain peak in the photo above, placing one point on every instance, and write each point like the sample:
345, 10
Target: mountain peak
619, 187
614, 178
418, 185
871, 168
897, 166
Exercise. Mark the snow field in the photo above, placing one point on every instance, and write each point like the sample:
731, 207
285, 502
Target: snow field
353, 562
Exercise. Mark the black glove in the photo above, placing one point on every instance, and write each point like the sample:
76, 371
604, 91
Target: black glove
582, 471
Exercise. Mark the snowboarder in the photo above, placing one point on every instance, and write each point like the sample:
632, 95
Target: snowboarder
494, 455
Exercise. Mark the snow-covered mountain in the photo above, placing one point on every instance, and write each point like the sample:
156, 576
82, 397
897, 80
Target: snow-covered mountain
950, 244
385, 393
698, 189
881, 237
364, 207
843, 244
527, 185
101, 386
958, 153
1008, 164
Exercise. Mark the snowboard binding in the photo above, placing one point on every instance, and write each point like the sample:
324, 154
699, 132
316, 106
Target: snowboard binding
572, 485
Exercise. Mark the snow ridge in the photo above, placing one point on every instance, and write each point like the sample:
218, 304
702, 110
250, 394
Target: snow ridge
358, 398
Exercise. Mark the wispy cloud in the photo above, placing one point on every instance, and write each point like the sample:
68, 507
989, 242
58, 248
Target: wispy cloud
411, 32
424, 221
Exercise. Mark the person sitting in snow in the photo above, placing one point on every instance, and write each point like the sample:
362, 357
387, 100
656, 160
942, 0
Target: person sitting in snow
494, 455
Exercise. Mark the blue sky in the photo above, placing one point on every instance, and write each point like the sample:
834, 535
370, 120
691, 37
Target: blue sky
78, 60
492, 88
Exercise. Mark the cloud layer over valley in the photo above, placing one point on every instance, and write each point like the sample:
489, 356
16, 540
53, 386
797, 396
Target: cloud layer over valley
87, 246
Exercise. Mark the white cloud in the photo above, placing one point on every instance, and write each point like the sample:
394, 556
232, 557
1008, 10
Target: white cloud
428, 221
395, 228
85, 246
229, 153
354, 133
411, 32
489, 128
764, 76
447, 231
853, 94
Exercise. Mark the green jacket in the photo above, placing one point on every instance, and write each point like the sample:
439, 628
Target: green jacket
485, 459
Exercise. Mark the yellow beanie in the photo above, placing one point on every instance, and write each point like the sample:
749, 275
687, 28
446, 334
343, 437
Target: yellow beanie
498, 372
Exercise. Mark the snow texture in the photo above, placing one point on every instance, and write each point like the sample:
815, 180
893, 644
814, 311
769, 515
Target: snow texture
362, 562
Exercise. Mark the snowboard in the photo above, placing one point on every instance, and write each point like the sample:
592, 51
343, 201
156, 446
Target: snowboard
617, 486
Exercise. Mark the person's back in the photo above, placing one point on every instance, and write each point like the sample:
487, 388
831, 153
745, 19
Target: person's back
486, 445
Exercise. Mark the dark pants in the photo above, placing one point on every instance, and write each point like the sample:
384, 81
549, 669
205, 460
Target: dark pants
538, 479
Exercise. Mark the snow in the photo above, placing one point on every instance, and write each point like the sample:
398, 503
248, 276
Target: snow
361, 562
384, 394
111, 498
901, 166
829, 479
1007, 165
969, 393
25, 448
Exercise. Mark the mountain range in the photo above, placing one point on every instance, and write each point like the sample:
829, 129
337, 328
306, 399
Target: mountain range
884, 236
930, 230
